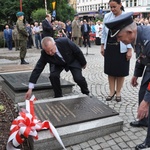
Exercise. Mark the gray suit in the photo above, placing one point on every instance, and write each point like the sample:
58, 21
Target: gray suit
140, 70
143, 46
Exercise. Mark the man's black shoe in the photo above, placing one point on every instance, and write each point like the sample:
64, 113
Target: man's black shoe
58, 96
24, 62
90, 95
137, 124
141, 146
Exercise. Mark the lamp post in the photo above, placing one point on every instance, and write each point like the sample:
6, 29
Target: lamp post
46, 6
20, 5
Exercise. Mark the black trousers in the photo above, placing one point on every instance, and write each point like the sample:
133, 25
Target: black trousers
86, 39
77, 76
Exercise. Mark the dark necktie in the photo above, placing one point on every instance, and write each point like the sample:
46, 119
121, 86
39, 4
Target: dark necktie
58, 58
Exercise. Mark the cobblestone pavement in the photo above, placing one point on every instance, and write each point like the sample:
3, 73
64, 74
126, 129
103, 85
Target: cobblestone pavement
98, 85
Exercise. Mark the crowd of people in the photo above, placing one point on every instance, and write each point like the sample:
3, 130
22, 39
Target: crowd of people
82, 32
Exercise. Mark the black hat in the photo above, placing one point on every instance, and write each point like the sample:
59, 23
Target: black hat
76, 15
120, 22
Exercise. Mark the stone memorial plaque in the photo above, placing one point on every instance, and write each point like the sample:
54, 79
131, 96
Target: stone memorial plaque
15, 68
72, 111
19, 81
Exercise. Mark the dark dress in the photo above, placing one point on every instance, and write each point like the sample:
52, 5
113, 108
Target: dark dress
115, 63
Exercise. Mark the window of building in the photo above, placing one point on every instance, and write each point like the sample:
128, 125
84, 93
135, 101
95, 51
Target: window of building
96, 7
85, 8
130, 3
135, 2
127, 3
90, 7
140, 2
104, 6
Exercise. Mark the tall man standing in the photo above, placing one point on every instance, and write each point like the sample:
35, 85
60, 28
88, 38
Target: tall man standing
23, 36
76, 29
48, 29
8, 36
86, 29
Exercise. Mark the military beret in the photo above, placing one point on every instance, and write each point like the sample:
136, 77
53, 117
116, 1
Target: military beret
76, 15
118, 23
18, 14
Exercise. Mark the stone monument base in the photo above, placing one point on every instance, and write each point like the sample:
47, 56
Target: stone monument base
16, 85
82, 118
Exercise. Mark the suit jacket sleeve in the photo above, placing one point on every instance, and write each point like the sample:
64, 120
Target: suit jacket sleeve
77, 53
147, 96
40, 65
46, 26
139, 69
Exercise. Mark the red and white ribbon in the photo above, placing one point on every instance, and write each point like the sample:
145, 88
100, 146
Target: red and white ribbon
27, 124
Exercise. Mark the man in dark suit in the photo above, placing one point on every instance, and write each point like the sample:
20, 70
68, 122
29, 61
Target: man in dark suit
60, 54
8, 36
86, 29
48, 29
128, 32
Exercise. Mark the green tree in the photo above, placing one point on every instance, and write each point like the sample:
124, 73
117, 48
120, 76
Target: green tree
9, 8
63, 10
38, 14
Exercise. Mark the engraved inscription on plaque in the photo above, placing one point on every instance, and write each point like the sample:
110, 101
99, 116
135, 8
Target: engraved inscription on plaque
67, 112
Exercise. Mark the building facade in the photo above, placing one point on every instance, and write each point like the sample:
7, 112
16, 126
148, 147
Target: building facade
94, 8
73, 3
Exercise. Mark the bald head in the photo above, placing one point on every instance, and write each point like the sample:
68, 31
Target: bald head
45, 40
48, 45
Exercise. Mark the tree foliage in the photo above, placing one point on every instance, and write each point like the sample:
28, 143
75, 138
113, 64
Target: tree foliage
38, 15
9, 8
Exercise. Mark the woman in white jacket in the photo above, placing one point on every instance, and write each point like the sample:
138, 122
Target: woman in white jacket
116, 54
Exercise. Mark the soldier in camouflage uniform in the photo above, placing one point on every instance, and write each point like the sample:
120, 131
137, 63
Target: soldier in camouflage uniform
23, 36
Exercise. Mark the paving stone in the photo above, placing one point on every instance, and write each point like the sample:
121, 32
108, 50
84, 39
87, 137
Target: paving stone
118, 140
131, 144
114, 135
115, 147
92, 142
138, 141
125, 138
133, 137
76, 147
107, 137
111, 142
84, 145
88, 149
107, 148
120, 133
123, 145
100, 140
104, 145
96, 147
